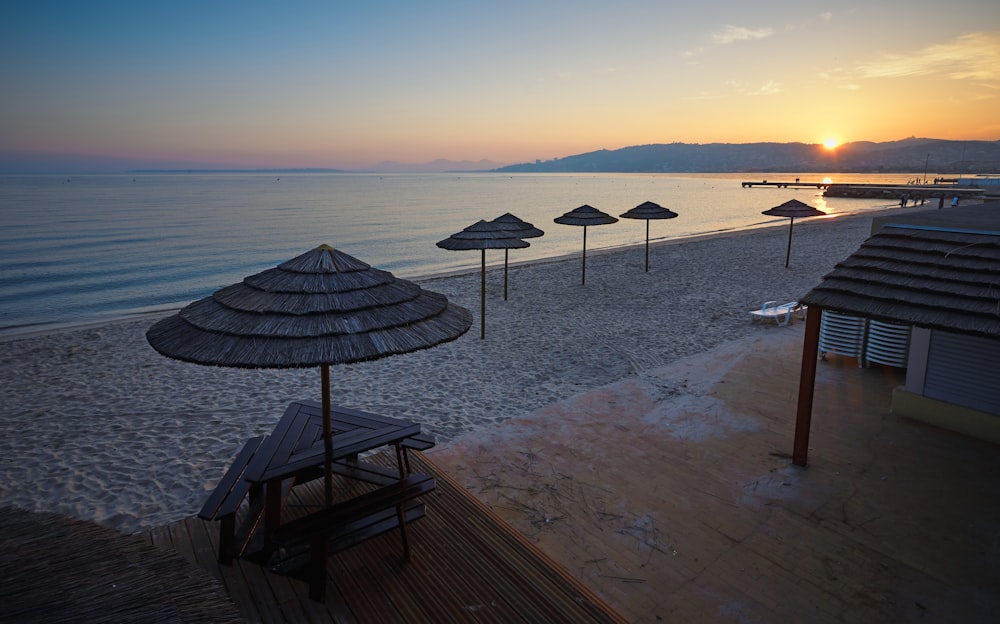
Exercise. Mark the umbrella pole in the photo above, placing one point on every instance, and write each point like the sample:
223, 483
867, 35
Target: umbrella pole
583, 278
482, 299
327, 434
788, 252
647, 245
505, 253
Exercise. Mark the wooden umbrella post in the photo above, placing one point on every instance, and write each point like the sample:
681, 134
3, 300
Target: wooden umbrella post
647, 245
583, 278
788, 252
482, 298
506, 252
327, 434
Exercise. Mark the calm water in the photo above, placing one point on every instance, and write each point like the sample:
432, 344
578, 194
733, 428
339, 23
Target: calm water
86, 247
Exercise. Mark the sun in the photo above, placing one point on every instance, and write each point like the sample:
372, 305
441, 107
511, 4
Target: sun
831, 143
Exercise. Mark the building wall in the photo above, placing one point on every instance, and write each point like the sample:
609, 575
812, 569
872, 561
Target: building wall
952, 381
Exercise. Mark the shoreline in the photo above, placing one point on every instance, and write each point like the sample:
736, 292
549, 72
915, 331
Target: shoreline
108, 430
156, 312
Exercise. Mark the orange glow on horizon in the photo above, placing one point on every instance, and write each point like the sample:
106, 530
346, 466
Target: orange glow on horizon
831, 143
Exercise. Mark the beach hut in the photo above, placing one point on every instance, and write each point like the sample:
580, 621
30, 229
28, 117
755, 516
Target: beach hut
483, 235
585, 216
648, 211
937, 272
320, 308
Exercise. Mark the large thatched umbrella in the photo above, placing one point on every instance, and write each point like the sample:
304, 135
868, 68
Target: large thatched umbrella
523, 229
483, 235
792, 208
320, 308
647, 211
585, 215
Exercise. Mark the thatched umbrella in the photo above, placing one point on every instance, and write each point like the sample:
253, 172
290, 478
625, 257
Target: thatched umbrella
585, 215
792, 208
320, 308
483, 235
523, 229
646, 211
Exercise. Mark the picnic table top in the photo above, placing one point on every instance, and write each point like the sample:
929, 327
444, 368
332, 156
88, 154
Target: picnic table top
296, 444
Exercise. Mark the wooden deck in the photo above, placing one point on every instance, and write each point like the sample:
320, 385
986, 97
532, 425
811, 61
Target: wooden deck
468, 565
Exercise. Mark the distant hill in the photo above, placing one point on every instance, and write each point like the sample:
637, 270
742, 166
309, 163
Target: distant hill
906, 156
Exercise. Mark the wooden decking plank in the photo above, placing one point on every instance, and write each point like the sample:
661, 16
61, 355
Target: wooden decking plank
563, 586
467, 565
478, 542
199, 532
234, 580
511, 582
465, 593
401, 583
472, 589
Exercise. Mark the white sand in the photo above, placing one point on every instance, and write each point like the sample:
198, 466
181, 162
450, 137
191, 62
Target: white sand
99, 426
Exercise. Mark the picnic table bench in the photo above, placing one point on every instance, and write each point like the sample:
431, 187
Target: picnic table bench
267, 467
305, 543
227, 497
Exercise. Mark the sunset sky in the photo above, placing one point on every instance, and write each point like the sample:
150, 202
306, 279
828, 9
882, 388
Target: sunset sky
347, 85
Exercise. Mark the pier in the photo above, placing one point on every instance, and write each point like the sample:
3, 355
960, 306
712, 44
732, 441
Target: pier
796, 184
882, 191
909, 191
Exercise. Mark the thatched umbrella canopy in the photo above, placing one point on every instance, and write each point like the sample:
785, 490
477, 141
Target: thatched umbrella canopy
320, 308
585, 215
483, 235
647, 211
523, 230
792, 208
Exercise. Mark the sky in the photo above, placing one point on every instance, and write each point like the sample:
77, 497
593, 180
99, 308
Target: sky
348, 84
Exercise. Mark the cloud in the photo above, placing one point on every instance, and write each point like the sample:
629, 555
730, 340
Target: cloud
732, 34
770, 87
826, 17
973, 56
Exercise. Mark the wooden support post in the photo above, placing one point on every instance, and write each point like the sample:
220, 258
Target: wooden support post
807, 386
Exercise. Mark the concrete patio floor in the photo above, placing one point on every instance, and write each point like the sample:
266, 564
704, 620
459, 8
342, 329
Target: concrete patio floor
673, 496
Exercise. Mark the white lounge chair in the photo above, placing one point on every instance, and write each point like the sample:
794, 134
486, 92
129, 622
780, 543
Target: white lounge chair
781, 314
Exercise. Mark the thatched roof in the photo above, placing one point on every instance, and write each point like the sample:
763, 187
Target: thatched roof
795, 209
934, 278
484, 235
322, 307
649, 210
585, 215
518, 225
58, 569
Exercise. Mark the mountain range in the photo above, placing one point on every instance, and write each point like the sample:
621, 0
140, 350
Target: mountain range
906, 156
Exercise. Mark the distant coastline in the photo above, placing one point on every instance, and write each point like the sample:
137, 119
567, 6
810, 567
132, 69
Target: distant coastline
909, 155
287, 171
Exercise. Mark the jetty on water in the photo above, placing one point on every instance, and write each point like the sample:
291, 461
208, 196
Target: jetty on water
796, 184
881, 191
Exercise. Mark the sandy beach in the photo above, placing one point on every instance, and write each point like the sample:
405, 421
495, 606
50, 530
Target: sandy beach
101, 427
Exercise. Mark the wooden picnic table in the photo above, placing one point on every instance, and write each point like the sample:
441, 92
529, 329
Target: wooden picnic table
295, 450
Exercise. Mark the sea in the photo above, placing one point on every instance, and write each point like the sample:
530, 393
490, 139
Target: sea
76, 249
